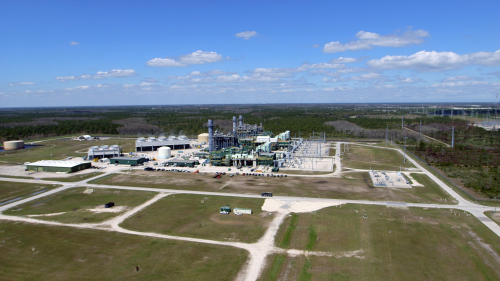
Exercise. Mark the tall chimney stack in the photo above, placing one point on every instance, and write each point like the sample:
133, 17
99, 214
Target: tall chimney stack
241, 120
234, 125
210, 135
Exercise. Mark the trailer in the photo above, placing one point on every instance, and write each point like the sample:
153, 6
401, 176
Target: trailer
242, 211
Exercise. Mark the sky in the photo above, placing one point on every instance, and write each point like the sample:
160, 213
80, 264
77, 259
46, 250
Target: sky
93, 53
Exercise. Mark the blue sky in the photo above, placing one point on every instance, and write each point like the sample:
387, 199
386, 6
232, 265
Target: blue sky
79, 53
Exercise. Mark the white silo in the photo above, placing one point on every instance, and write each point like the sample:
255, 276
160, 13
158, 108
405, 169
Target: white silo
164, 152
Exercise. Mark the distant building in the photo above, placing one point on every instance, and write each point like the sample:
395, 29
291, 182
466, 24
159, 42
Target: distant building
57, 166
127, 160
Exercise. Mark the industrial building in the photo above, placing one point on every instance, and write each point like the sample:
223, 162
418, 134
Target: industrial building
13, 145
153, 143
104, 151
127, 160
182, 163
57, 166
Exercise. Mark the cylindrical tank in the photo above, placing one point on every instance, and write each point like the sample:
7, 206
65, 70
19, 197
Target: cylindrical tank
164, 152
12, 145
234, 125
203, 137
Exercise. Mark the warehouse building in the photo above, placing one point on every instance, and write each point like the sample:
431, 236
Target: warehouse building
127, 160
57, 166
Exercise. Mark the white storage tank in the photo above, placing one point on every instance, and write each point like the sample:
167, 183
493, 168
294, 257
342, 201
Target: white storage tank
164, 152
203, 137
12, 145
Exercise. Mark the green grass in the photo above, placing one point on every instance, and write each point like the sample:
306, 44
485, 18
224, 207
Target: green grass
75, 204
362, 157
185, 215
39, 252
351, 186
393, 244
75, 178
60, 150
292, 225
12, 190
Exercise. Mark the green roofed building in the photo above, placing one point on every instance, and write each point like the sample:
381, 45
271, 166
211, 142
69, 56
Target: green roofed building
127, 160
57, 166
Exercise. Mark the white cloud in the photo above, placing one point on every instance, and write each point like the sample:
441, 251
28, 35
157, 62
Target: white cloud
77, 88
146, 84
229, 78
115, 73
436, 61
21, 83
368, 40
460, 78
496, 73
369, 76
100, 75
278, 72
345, 60
246, 34
337, 89
408, 80
460, 83
316, 46
198, 57
324, 65
74, 43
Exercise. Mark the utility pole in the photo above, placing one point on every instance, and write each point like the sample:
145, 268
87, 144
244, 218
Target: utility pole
404, 149
452, 136
386, 134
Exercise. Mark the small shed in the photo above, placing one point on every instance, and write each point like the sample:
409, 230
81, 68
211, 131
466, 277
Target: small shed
127, 160
225, 210
242, 211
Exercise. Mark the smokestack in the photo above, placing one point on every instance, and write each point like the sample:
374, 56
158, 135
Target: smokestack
234, 125
210, 135
241, 120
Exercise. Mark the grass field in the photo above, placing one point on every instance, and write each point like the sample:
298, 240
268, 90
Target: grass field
38, 252
13, 190
75, 204
362, 157
389, 244
352, 186
75, 178
185, 215
60, 149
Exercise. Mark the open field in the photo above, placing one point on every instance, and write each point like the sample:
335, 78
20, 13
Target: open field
74, 205
352, 186
13, 190
389, 244
76, 178
362, 157
186, 215
60, 149
38, 252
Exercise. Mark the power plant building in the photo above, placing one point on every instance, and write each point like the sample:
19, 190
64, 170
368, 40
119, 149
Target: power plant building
152, 143
127, 160
104, 151
57, 166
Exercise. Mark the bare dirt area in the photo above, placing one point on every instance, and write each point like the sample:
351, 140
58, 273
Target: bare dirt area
354, 186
